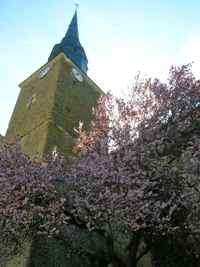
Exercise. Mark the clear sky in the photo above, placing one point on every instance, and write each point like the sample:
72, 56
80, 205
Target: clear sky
119, 37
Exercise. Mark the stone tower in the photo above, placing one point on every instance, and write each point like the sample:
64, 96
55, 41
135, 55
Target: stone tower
54, 99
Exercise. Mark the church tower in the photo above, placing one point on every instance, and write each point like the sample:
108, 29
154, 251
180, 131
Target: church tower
54, 99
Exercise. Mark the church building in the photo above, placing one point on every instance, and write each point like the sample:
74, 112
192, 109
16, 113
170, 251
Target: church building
54, 99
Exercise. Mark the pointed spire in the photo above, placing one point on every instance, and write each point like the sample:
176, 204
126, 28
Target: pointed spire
71, 46
72, 31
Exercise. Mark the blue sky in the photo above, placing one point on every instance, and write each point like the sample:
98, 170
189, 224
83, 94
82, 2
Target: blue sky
120, 39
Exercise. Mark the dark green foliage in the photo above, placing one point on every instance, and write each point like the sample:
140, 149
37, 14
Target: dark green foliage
168, 252
47, 252
75, 248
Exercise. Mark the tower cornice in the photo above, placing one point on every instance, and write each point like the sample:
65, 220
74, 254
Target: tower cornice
51, 65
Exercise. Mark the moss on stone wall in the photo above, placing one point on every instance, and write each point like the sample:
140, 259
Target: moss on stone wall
26, 116
74, 100
49, 108
34, 143
1, 139
58, 138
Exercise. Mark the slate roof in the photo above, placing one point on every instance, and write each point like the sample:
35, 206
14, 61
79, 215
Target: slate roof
71, 46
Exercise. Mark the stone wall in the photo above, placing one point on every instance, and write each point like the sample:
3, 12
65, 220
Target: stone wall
48, 108
1, 139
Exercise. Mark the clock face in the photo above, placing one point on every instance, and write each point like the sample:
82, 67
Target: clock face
43, 72
77, 75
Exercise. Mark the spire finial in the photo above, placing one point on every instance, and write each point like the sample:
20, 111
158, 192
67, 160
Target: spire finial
76, 6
